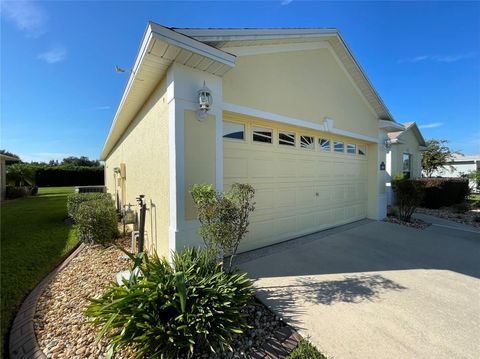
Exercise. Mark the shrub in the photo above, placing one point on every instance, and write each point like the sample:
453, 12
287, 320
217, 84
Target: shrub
174, 310
223, 217
305, 350
12, 192
409, 194
440, 192
97, 222
461, 207
74, 200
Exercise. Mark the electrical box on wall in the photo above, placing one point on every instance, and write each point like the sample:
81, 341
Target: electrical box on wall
123, 170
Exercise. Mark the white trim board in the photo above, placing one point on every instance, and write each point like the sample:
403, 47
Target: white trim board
249, 111
276, 48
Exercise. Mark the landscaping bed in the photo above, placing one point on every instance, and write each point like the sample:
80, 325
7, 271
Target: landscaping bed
63, 331
414, 222
470, 217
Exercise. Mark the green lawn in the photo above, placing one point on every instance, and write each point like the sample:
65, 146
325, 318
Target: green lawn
34, 239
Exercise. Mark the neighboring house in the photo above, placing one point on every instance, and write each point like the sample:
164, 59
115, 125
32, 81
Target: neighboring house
462, 166
293, 114
3, 179
405, 155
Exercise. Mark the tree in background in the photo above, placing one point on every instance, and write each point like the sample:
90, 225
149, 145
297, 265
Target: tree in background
79, 161
437, 156
7, 153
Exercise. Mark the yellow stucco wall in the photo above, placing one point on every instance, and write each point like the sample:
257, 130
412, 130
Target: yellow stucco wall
199, 163
410, 145
307, 85
143, 149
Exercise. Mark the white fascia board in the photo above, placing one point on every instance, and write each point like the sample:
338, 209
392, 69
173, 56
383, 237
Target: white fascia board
253, 34
140, 55
188, 43
155, 31
390, 126
364, 74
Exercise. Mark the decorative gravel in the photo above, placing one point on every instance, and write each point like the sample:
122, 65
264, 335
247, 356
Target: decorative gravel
414, 223
62, 329
471, 217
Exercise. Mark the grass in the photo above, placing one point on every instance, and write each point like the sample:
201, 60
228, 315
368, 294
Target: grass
305, 350
34, 240
474, 200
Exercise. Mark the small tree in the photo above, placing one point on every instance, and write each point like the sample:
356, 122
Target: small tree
224, 218
437, 156
409, 194
21, 174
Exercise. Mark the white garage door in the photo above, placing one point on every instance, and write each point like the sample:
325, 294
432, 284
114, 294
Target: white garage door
305, 181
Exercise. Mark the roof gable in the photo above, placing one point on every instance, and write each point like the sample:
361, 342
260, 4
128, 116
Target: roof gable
409, 127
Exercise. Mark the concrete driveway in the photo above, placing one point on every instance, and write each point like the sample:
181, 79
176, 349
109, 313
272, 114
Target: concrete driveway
377, 290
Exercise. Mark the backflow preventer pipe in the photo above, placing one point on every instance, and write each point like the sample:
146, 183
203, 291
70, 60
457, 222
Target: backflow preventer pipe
141, 228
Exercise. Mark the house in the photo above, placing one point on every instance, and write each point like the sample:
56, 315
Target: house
405, 155
289, 111
461, 166
3, 178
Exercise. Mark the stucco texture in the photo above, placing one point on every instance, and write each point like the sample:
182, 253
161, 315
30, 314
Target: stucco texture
308, 85
410, 145
143, 149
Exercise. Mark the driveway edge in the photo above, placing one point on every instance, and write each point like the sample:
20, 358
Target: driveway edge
22, 341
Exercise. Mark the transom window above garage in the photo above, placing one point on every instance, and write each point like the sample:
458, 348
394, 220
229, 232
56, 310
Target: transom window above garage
233, 130
261, 134
352, 148
307, 142
324, 144
286, 138
338, 146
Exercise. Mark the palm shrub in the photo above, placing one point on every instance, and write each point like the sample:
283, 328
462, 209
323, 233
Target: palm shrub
175, 310
409, 195
224, 217
96, 221
75, 199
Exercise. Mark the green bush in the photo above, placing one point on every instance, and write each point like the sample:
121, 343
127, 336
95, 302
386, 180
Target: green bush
442, 192
75, 199
174, 310
224, 217
305, 350
409, 195
12, 192
96, 221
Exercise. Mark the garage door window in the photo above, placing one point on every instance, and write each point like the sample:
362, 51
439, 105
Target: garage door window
307, 142
233, 130
324, 144
286, 139
352, 148
338, 146
262, 135
362, 150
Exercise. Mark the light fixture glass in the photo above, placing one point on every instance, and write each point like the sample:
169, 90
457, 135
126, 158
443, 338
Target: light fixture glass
205, 101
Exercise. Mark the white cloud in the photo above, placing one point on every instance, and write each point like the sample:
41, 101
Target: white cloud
26, 15
53, 56
431, 125
438, 58
285, 2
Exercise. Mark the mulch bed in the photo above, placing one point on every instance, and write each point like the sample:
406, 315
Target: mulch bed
414, 223
471, 217
63, 331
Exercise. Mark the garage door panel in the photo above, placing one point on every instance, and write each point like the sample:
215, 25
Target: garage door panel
298, 191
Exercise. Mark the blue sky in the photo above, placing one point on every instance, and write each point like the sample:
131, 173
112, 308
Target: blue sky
59, 90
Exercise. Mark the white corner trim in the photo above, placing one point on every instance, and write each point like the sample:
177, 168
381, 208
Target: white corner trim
327, 125
276, 48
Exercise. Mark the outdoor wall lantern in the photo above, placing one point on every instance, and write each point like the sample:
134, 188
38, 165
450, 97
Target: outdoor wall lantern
205, 101
387, 145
